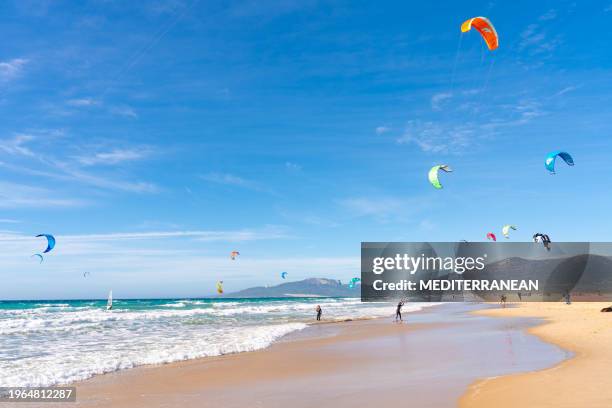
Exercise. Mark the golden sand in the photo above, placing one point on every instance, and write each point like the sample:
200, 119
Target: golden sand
584, 381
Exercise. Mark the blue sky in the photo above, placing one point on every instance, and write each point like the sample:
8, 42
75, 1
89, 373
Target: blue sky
153, 138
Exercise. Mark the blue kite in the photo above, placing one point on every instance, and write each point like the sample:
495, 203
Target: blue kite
552, 157
50, 242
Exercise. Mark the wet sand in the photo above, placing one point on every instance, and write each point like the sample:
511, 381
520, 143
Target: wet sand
427, 362
583, 381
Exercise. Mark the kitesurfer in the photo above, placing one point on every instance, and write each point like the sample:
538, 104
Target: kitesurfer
319, 312
398, 311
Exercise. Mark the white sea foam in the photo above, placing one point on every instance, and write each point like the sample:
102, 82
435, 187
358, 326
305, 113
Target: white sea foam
57, 343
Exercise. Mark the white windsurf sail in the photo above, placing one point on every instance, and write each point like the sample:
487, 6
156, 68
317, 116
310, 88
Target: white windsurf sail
109, 303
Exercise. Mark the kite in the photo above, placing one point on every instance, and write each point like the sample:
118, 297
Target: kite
506, 230
353, 282
484, 26
491, 236
552, 158
284, 275
543, 238
39, 256
433, 174
234, 254
220, 287
50, 241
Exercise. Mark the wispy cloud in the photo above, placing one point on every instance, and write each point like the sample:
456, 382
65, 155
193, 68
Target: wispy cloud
381, 130
231, 180
66, 173
566, 90
9, 221
243, 235
521, 113
83, 102
124, 110
12, 68
14, 195
17, 145
384, 208
438, 100
526, 110
436, 137
113, 157
109, 182
267, 9
225, 178
534, 39
549, 15
455, 136
427, 225
365, 206
292, 166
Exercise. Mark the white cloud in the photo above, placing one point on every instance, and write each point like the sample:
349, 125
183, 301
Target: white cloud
113, 157
12, 68
527, 110
110, 182
82, 102
16, 145
385, 208
381, 130
231, 180
438, 100
566, 90
293, 166
365, 206
69, 174
225, 178
427, 225
224, 236
124, 111
9, 221
146, 242
549, 15
435, 137
534, 39
13, 195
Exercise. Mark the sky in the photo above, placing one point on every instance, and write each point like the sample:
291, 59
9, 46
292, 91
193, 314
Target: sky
153, 138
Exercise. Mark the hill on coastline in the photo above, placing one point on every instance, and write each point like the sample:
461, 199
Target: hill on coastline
317, 287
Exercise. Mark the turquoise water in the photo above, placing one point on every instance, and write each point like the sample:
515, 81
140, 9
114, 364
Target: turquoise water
53, 342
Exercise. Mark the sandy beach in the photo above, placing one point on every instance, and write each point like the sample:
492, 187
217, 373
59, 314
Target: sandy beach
582, 381
467, 355
351, 364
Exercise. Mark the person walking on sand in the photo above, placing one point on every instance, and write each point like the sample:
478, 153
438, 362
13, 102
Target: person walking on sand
398, 311
502, 300
319, 312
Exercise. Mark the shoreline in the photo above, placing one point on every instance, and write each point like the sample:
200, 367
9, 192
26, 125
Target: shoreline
581, 380
354, 364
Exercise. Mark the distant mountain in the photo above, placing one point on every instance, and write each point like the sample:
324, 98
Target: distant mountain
307, 287
580, 273
597, 276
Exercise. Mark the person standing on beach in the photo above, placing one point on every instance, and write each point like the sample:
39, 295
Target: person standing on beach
398, 311
319, 312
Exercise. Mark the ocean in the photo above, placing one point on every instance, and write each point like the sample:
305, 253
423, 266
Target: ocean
44, 343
